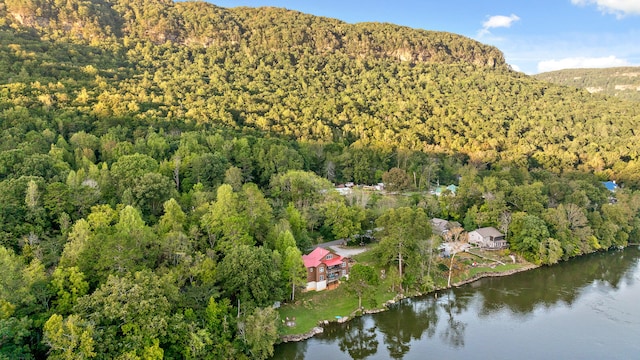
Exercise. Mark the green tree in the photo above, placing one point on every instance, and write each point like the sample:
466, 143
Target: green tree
345, 221
362, 282
293, 269
70, 338
15, 334
298, 226
257, 210
224, 222
302, 188
130, 313
261, 332
402, 229
69, 285
129, 245
221, 325
208, 169
250, 275
528, 198
396, 179
77, 241
128, 169
550, 251
528, 232
150, 191
233, 177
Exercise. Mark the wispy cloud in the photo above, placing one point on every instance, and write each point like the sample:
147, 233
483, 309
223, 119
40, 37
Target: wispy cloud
497, 21
620, 8
581, 62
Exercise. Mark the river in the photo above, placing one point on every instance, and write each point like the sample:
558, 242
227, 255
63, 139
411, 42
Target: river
586, 308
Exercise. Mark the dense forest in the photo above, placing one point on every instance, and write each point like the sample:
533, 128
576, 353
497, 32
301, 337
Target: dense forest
164, 165
621, 82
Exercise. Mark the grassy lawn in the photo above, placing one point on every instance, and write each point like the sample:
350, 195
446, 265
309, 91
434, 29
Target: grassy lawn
487, 269
312, 307
483, 265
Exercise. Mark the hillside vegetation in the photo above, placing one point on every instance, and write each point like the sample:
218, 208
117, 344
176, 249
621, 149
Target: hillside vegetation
621, 82
164, 165
245, 29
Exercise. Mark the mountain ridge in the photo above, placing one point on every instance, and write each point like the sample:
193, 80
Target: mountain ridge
622, 82
489, 115
276, 29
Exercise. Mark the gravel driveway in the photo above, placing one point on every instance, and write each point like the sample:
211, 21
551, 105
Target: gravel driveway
338, 248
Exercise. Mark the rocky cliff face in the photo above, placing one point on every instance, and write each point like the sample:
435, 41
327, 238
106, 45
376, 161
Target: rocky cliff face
260, 29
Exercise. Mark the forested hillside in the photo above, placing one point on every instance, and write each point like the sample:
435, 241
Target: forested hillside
621, 82
164, 165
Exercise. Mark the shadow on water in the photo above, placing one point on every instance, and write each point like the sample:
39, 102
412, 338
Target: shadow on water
443, 321
359, 341
549, 286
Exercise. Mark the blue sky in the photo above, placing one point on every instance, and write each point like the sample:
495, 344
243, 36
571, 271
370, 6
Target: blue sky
534, 35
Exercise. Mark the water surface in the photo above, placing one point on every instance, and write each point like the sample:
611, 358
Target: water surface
587, 308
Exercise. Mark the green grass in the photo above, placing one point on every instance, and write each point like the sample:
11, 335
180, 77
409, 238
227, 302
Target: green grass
487, 269
312, 307
367, 257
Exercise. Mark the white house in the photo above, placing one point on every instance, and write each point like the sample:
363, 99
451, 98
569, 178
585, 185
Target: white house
488, 238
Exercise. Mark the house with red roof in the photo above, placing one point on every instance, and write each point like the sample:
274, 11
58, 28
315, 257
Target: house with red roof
324, 269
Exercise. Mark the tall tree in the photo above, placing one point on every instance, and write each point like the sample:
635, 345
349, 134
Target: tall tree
251, 276
528, 231
293, 269
402, 229
362, 281
457, 239
131, 314
225, 224
260, 332
255, 207
396, 179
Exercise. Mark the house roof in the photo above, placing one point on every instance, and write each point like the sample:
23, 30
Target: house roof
316, 257
337, 259
610, 185
488, 231
440, 189
439, 224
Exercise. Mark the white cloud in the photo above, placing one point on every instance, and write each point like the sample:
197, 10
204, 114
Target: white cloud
497, 21
581, 62
617, 7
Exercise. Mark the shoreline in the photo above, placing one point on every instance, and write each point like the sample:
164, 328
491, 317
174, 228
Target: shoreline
319, 329
491, 274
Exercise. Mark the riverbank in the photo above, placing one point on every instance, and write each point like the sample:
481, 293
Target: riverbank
462, 323
483, 275
330, 302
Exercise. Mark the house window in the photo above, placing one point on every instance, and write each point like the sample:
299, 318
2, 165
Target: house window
329, 257
344, 264
321, 277
344, 272
321, 269
310, 269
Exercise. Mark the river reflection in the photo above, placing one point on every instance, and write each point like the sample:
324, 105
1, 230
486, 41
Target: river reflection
584, 309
